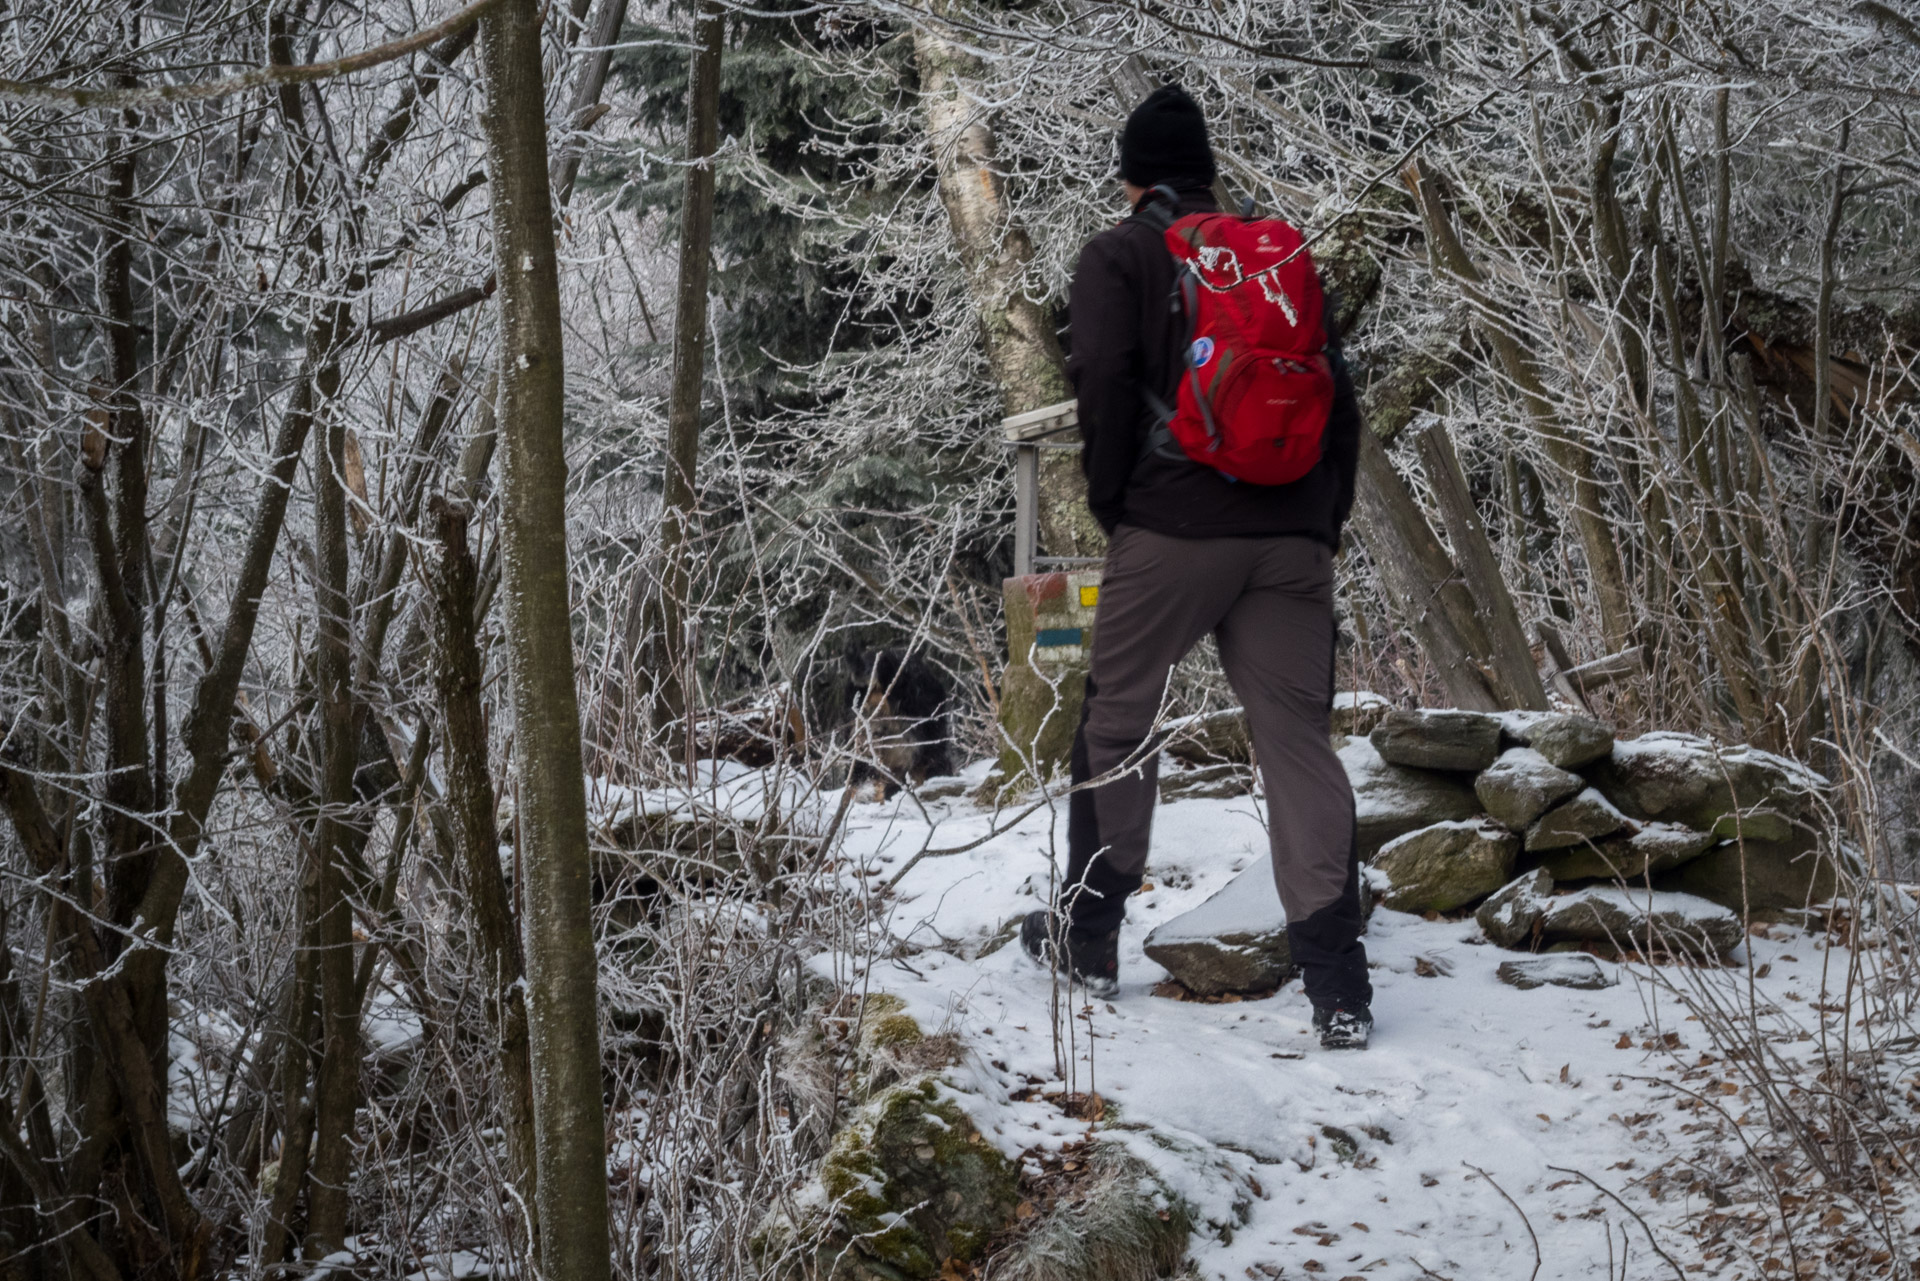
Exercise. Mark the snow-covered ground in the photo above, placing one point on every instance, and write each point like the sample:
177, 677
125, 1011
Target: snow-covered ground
1394, 1163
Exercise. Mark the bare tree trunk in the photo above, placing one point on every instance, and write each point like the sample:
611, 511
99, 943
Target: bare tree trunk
1420, 578
678, 500
470, 799
1015, 329
557, 929
336, 1085
1508, 663
1597, 536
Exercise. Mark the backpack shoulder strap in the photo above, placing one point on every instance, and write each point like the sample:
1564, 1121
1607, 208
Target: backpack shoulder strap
1160, 209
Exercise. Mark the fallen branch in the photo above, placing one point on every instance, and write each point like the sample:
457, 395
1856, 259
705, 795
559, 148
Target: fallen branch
1602, 672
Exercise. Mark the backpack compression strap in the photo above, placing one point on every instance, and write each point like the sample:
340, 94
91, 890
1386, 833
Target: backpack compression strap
1159, 211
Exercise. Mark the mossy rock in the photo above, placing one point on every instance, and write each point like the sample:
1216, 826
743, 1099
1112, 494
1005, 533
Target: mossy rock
913, 1186
885, 1024
1755, 876
893, 1048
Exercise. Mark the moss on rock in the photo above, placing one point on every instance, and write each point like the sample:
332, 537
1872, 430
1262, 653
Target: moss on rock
912, 1185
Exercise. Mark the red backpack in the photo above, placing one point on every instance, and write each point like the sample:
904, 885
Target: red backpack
1254, 398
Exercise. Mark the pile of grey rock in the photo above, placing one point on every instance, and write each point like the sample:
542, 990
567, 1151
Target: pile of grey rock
1560, 835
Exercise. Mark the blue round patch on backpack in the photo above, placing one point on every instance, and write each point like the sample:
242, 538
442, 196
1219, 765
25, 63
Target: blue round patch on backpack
1200, 353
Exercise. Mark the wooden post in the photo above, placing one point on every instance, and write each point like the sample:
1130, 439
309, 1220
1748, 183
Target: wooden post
1509, 659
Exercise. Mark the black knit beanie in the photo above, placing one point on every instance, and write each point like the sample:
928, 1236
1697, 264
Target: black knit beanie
1165, 141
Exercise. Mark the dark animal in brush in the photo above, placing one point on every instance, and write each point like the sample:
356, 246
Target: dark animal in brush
901, 733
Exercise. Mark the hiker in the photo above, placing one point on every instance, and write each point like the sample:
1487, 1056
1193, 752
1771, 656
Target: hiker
1197, 547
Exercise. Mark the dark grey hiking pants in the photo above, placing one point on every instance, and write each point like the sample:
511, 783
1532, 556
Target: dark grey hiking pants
1269, 604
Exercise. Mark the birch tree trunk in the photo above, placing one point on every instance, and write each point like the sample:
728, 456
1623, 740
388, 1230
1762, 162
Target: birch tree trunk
1015, 329
557, 923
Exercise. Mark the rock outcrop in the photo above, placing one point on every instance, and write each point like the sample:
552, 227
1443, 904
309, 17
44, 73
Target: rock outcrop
1760, 876
1678, 778
909, 1189
1527, 910
1446, 866
1654, 849
1447, 803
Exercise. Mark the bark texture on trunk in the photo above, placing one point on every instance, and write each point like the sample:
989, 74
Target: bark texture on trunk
1015, 329
557, 925
460, 676
336, 1086
679, 498
1508, 662
1571, 456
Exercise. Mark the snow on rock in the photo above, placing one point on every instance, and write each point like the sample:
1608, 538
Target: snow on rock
1392, 800
1653, 849
1236, 941
1568, 740
1680, 778
1558, 969
1509, 916
1427, 738
1357, 711
1641, 919
1357, 1163
1522, 785
1587, 817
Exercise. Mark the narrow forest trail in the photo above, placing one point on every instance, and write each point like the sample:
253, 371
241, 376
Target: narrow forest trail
1339, 1165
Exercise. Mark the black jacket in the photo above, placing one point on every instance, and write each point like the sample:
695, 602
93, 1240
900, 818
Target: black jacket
1121, 335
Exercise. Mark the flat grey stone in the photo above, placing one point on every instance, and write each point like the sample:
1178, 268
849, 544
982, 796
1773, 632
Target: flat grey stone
1236, 941
1566, 969
1447, 865
1587, 817
1211, 738
1570, 741
1654, 849
1391, 800
1509, 916
1522, 785
1642, 920
1678, 778
1442, 739
1356, 712
1208, 782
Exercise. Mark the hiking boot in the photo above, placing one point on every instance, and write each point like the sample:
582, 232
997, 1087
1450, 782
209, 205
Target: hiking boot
1342, 1029
1093, 960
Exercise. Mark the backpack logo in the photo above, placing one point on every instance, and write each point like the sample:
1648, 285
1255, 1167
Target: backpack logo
1201, 352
